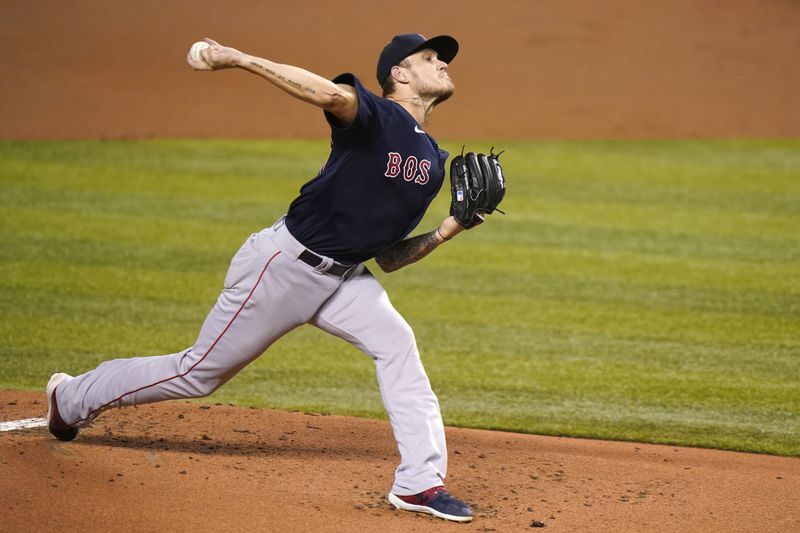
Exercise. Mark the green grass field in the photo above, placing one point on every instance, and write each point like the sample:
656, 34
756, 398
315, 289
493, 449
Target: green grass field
645, 290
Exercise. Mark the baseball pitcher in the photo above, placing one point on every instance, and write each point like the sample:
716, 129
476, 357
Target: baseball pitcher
383, 171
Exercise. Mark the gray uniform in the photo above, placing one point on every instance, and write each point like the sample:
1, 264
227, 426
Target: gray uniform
259, 303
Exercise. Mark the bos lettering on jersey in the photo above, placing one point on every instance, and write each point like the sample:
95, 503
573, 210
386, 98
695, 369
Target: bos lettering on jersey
410, 168
382, 174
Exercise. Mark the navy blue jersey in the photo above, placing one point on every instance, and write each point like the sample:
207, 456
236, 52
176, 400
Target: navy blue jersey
381, 176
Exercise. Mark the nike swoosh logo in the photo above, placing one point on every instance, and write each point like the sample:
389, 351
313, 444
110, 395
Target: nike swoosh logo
416, 128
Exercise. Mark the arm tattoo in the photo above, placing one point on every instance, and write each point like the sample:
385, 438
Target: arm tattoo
406, 252
282, 78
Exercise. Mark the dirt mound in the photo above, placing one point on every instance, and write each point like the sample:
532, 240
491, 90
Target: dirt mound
544, 69
194, 467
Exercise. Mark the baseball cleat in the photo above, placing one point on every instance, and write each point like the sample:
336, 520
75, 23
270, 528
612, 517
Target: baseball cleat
435, 501
60, 429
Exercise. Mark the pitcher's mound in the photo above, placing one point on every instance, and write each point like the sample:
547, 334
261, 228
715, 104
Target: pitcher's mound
181, 466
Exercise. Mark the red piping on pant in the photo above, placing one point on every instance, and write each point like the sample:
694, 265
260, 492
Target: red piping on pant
97, 411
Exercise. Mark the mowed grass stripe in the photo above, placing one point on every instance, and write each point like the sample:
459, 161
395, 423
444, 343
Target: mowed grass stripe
635, 290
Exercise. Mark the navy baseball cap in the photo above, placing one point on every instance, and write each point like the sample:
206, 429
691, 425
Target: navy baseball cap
404, 45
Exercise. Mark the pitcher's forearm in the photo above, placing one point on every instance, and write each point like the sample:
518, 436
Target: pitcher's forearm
408, 251
298, 82
412, 250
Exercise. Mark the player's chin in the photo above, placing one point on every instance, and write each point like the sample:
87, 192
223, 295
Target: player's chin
445, 93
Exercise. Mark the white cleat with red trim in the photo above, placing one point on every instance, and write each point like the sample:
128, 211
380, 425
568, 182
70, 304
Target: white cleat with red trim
60, 429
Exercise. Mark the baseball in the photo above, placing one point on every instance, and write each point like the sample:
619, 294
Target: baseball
194, 51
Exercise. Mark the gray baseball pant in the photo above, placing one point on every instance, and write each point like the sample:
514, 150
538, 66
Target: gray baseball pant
268, 292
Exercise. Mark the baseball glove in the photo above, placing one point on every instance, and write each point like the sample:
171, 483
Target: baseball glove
477, 186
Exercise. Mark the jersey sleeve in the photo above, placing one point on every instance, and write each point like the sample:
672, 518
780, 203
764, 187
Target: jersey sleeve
367, 120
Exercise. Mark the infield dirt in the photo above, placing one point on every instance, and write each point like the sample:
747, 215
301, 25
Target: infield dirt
180, 466
538, 69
